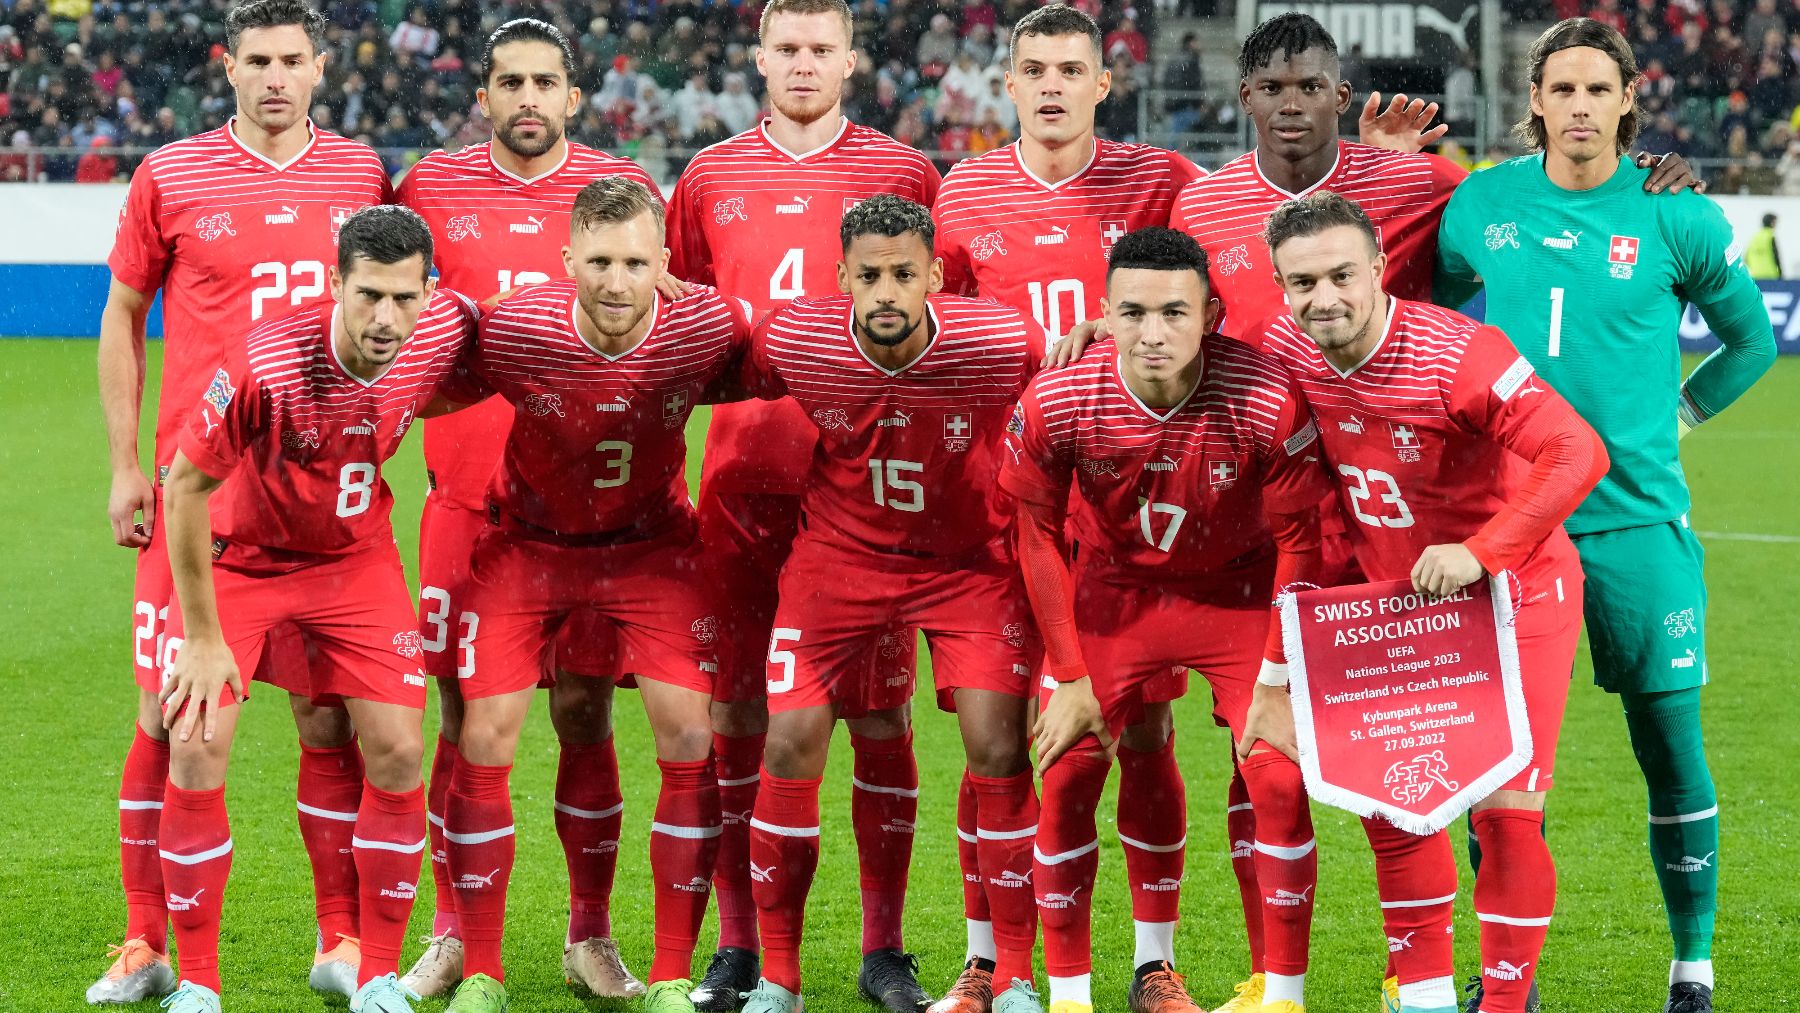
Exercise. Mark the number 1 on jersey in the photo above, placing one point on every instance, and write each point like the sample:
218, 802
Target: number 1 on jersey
1556, 301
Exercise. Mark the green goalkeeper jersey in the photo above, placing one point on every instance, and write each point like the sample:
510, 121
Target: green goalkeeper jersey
1589, 285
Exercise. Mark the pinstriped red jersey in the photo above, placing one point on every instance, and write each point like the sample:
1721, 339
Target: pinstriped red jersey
906, 459
494, 231
597, 446
232, 238
1423, 435
1177, 492
1403, 194
1041, 248
761, 223
299, 440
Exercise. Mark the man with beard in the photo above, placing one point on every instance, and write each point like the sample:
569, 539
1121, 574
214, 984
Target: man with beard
500, 213
233, 225
758, 216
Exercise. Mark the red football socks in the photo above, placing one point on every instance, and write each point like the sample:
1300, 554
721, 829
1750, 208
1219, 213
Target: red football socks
975, 904
884, 806
737, 762
478, 835
329, 792
784, 853
1240, 833
389, 845
437, 799
1515, 895
1287, 860
196, 860
1006, 820
684, 849
1153, 829
140, 814
1067, 857
1416, 880
589, 810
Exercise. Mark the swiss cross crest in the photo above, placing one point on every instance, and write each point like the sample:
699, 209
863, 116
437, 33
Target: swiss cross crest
338, 217
1111, 231
1622, 255
957, 429
850, 202
1406, 441
675, 406
1222, 474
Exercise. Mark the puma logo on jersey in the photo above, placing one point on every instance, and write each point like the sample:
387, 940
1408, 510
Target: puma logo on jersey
207, 419
531, 226
1167, 463
1566, 241
286, 216
988, 244
729, 209
1352, 425
212, 227
362, 427
1689, 863
1233, 260
1507, 971
1288, 898
797, 207
619, 403
898, 420
463, 227
1502, 235
1058, 235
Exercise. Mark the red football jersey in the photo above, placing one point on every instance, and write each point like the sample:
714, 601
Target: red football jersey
906, 460
1180, 492
761, 223
1419, 434
598, 445
1403, 194
299, 440
231, 238
494, 231
1040, 248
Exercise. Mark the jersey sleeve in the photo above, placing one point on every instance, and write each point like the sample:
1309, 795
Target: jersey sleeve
228, 417
760, 377
140, 255
1456, 280
1034, 469
1182, 172
730, 385
689, 257
1294, 478
929, 184
1713, 276
1496, 393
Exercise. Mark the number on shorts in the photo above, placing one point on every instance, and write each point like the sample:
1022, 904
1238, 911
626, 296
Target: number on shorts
356, 486
465, 664
153, 622
1360, 492
435, 613
785, 659
619, 462
299, 281
889, 484
786, 283
1175, 514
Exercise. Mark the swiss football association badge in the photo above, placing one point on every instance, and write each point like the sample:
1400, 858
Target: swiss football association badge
1222, 474
1111, 231
675, 407
1622, 255
957, 430
1406, 442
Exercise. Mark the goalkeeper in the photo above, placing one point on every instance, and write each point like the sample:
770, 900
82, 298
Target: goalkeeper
1587, 274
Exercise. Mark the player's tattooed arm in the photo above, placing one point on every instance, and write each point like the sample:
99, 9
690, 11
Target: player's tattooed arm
203, 667
1405, 125
1668, 172
122, 373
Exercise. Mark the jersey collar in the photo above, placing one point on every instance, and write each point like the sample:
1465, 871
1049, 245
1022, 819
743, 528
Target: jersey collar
312, 138
1337, 159
937, 331
1018, 155
568, 147
331, 336
1387, 332
656, 312
843, 129
1118, 374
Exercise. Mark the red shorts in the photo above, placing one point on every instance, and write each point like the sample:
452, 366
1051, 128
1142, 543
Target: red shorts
282, 664
652, 596
586, 646
748, 537
1133, 638
837, 607
1548, 627
355, 614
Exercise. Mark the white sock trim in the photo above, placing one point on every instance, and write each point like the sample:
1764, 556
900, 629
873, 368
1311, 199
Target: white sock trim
878, 789
479, 837
770, 828
402, 848
205, 856
131, 805
1427, 902
1285, 853
695, 833
324, 814
1704, 814
590, 814
1065, 856
1005, 835
1156, 849
1510, 920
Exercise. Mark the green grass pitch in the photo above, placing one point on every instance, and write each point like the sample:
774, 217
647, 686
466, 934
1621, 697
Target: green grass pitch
64, 609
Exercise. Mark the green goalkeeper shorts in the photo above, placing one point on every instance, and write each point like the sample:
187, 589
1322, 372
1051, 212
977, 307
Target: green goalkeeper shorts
1645, 607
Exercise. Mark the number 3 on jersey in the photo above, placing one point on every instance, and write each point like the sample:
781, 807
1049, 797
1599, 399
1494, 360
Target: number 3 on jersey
1358, 484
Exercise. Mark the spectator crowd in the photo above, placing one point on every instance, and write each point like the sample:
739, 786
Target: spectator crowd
663, 78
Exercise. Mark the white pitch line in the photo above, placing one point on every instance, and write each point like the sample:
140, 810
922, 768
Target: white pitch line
1744, 536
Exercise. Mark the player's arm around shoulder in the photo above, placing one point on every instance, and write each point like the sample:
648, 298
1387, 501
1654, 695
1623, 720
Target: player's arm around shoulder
1457, 277
745, 374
